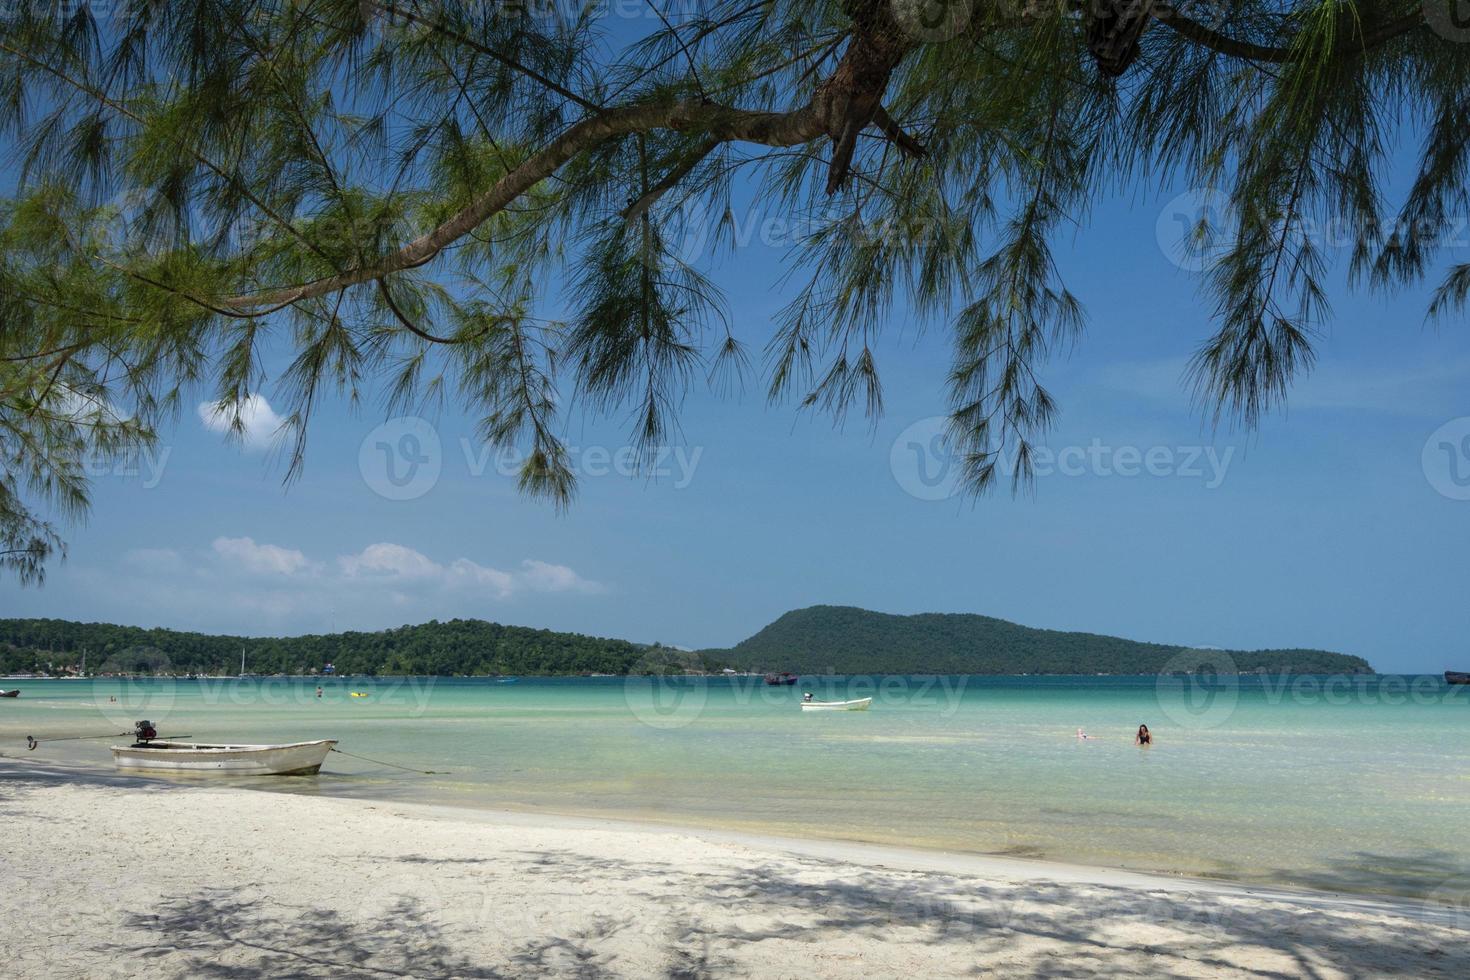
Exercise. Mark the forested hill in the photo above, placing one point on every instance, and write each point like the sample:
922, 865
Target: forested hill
846, 640
458, 647
839, 639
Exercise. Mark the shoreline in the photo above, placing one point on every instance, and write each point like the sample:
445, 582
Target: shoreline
906, 857
116, 875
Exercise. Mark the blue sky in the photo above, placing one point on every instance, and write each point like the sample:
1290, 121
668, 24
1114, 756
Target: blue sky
1324, 528
1331, 526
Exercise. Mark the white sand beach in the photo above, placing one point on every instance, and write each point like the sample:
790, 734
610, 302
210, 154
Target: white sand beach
114, 876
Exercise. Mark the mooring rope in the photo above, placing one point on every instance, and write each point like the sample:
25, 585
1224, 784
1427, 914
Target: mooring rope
393, 765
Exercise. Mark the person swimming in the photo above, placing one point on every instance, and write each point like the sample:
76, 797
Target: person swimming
1143, 737
1082, 734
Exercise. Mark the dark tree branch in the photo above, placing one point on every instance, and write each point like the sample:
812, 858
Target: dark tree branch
721, 123
894, 132
1250, 51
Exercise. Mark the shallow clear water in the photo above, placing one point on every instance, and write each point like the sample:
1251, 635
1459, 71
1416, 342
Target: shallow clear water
1352, 783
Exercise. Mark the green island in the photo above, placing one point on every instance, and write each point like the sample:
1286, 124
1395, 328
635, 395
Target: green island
816, 640
848, 640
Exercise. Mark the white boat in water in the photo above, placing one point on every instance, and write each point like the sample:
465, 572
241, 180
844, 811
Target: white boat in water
295, 758
861, 704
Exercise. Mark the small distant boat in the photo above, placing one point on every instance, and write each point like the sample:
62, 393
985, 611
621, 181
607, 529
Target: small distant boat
1456, 677
295, 758
785, 677
507, 680
359, 694
861, 704
10, 694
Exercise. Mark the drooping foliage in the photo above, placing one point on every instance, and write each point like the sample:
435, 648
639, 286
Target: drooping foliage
389, 192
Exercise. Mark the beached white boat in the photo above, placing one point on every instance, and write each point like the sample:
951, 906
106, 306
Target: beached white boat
296, 758
861, 704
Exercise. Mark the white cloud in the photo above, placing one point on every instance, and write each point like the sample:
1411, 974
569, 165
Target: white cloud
391, 561
263, 559
544, 577
404, 566
258, 423
241, 585
468, 574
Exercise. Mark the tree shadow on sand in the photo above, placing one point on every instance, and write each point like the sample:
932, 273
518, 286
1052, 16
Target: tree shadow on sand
1188, 932
701, 925
224, 937
1185, 933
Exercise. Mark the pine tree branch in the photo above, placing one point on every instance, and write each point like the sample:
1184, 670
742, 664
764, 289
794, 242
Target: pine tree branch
393, 10
681, 170
721, 123
1250, 51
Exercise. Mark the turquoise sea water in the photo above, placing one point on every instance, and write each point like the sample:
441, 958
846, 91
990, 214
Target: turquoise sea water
1353, 783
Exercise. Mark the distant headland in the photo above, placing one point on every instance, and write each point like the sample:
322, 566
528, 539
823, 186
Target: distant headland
815, 640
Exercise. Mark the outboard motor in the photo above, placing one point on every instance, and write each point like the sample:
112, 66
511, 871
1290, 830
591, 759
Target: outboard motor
144, 731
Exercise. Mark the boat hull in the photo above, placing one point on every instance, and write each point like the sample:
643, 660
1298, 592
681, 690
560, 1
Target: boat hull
297, 758
1456, 677
861, 704
10, 694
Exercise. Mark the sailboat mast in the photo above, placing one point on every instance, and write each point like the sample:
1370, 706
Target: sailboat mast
242, 660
